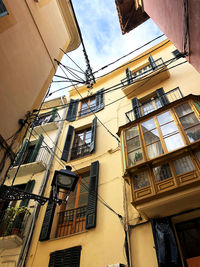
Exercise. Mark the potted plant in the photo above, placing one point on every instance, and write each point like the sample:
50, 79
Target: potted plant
13, 219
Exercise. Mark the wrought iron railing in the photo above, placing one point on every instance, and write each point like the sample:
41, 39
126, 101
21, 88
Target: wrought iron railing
71, 221
10, 225
87, 110
142, 72
154, 104
43, 155
45, 119
80, 151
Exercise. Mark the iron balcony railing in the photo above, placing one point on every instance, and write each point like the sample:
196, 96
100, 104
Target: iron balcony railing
154, 104
142, 72
89, 109
80, 151
10, 225
45, 119
71, 221
43, 155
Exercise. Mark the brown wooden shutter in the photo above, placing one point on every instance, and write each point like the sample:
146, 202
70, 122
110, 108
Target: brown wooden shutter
67, 144
92, 196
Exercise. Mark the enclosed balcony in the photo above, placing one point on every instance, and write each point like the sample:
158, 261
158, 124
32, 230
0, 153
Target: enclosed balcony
153, 104
161, 158
148, 76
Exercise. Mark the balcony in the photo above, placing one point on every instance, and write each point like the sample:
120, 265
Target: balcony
46, 123
80, 151
154, 104
38, 165
12, 229
71, 221
145, 78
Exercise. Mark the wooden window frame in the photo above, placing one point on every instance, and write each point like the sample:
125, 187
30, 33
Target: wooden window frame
178, 124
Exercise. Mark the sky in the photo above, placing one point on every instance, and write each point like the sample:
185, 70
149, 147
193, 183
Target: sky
103, 39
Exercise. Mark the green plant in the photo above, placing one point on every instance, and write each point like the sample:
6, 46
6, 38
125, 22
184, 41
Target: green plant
13, 219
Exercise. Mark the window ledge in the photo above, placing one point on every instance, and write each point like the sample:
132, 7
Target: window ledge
66, 236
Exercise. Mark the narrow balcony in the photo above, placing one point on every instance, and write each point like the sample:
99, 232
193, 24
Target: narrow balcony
46, 123
12, 228
80, 151
71, 221
145, 78
154, 104
36, 166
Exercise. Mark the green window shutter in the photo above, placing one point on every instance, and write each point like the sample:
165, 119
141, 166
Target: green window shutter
162, 97
92, 196
99, 100
67, 144
37, 148
54, 114
48, 219
128, 75
66, 258
21, 152
152, 62
93, 137
28, 189
72, 110
136, 108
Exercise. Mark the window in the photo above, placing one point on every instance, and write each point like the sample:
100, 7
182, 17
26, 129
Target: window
46, 118
79, 143
72, 215
80, 211
66, 257
161, 134
85, 106
3, 10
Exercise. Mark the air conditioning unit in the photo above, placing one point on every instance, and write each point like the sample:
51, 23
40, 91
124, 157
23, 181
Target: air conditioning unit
116, 265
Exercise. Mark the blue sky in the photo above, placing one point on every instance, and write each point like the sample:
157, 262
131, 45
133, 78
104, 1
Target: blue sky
104, 42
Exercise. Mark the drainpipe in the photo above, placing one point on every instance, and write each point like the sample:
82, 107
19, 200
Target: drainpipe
28, 238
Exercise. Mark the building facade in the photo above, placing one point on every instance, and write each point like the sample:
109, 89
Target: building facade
31, 36
137, 201
178, 21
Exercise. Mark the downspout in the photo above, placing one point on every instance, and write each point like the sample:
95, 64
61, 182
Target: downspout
28, 238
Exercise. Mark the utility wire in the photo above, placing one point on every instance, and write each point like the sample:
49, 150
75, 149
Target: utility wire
94, 113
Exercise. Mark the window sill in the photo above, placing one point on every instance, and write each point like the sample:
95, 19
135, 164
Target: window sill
66, 236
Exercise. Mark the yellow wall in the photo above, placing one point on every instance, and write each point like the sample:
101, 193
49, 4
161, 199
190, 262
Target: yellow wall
103, 245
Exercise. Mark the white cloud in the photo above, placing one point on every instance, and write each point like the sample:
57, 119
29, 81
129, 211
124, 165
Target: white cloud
104, 42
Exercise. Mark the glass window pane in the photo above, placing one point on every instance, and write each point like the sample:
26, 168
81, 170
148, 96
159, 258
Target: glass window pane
133, 144
162, 172
148, 107
151, 137
154, 150
173, 142
148, 125
193, 133
164, 118
132, 132
141, 180
168, 128
183, 109
135, 157
189, 120
183, 165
